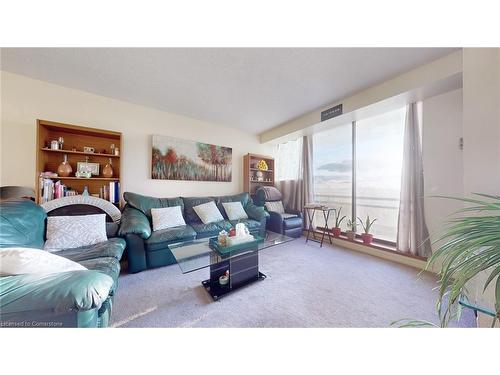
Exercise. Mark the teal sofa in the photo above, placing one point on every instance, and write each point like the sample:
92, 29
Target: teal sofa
67, 299
148, 249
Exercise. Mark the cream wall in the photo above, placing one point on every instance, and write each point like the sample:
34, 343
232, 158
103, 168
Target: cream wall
23, 100
481, 102
442, 157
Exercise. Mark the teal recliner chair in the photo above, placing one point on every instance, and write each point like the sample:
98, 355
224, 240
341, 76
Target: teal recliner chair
67, 299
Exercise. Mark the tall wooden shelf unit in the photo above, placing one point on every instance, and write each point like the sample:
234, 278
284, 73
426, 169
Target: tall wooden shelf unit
250, 181
75, 139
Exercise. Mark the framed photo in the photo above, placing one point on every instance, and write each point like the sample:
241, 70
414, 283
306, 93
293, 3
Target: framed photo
84, 167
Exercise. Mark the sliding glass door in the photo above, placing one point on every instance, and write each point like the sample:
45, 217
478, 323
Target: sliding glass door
370, 185
333, 170
379, 158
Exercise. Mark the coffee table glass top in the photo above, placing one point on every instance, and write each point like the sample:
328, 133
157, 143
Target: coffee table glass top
195, 255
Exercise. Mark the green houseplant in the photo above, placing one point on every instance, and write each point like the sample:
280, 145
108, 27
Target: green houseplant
367, 237
338, 220
470, 247
351, 233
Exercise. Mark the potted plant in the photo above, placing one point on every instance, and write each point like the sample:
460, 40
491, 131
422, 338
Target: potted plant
470, 247
338, 220
351, 233
367, 237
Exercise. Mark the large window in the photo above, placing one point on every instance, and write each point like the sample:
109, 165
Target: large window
376, 145
379, 158
332, 158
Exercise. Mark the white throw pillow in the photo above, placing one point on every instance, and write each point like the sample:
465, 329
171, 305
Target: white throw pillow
167, 217
234, 210
24, 260
276, 206
68, 232
208, 212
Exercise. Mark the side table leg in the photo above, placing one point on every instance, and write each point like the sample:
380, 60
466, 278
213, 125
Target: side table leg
310, 226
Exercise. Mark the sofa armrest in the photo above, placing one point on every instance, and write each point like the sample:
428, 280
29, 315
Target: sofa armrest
134, 222
275, 222
256, 212
294, 212
60, 292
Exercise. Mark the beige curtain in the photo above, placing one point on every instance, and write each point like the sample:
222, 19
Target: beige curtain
413, 236
300, 190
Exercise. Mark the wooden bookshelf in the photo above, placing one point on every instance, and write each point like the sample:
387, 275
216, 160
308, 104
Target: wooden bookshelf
75, 139
250, 171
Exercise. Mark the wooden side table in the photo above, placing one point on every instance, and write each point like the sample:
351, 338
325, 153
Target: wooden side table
311, 211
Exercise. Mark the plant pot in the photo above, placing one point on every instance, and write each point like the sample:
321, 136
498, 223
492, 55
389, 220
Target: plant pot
367, 238
351, 235
336, 232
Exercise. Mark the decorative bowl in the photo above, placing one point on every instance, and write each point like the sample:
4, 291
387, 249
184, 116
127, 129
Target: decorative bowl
223, 280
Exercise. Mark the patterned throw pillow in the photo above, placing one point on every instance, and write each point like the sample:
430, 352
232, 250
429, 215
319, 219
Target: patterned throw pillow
68, 232
276, 206
234, 210
208, 212
24, 260
167, 217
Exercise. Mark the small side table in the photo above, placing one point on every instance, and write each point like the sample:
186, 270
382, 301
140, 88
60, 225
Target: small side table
311, 211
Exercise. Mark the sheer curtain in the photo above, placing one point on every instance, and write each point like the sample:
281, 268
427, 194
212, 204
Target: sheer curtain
412, 231
294, 176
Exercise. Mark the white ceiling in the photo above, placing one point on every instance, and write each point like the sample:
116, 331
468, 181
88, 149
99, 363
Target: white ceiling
253, 89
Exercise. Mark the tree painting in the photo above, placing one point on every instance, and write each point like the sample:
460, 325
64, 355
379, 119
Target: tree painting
177, 159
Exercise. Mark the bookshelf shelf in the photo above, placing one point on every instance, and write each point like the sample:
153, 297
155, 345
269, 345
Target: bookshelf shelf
84, 178
77, 137
89, 154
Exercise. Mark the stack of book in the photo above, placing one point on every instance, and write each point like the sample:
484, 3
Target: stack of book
110, 192
50, 190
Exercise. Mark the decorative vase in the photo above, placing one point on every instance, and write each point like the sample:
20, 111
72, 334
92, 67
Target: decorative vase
64, 169
85, 191
351, 235
367, 238
107, 171
336, 232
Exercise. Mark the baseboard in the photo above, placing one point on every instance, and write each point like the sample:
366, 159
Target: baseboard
384, 254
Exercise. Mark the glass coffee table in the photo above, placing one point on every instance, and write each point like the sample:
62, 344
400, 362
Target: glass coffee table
243, 265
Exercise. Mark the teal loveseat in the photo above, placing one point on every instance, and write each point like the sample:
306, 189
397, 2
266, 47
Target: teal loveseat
67, 299
148, 249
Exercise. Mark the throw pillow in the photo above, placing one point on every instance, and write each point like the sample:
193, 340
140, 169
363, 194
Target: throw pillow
167, 217
234, 210
208, 212
276, 206
24, 260
68, 232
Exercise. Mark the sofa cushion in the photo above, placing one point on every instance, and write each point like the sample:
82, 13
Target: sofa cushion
190, 202
167, 217
64, 232
234, 211
145, 204
243, 198
22, 223
107, 265
275, 206
252, 225
208, 213
293, 222
113, 247
159, 239
211, 229
24, 260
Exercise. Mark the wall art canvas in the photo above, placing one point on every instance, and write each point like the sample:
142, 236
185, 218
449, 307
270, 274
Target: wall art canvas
178, 159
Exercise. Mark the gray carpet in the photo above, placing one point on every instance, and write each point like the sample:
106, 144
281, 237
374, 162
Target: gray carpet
307, 286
